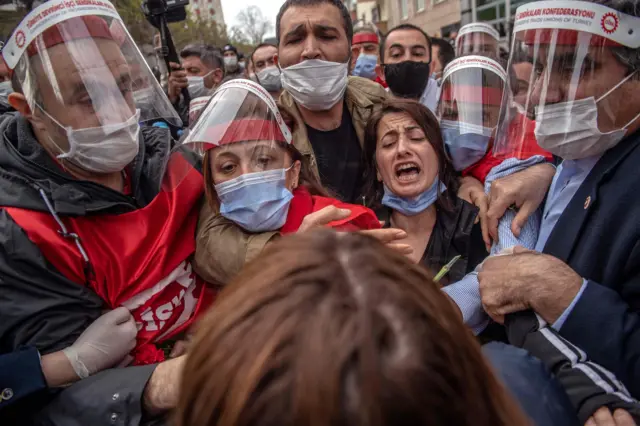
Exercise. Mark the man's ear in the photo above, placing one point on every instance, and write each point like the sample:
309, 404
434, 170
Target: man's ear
296, 174
20, 104
355, 52
380, 72
218, 76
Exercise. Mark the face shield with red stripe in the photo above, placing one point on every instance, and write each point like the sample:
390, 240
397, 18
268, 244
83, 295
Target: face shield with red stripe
478, 38
249, 164
85, 82
469, 107
581, 91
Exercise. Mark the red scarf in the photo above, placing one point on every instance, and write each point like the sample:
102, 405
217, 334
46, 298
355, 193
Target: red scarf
304, 203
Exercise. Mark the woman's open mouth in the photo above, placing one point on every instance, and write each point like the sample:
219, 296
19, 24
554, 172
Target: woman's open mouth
407, 172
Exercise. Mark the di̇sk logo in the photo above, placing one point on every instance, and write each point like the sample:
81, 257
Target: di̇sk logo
20, 39
610, 23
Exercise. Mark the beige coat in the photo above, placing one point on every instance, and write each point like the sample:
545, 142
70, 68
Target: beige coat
222, 248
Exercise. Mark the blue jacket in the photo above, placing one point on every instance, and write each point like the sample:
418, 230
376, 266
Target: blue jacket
20, 376
598, 235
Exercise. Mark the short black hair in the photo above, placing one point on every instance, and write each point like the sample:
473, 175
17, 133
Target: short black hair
209, 55
260, 46
346, 16
403, 27
446, 53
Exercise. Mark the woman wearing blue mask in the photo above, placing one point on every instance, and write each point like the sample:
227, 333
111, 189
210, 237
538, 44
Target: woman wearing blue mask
413, 182
257, 184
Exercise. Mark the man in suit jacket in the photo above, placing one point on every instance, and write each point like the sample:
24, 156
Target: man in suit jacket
577, 298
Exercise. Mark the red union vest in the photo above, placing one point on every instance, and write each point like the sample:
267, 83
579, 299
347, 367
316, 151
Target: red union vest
139, 260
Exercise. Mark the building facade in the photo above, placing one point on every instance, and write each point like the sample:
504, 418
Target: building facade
207, 10
493, 12
437, 18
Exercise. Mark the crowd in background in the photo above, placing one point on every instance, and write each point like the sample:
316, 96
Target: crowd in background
342, 227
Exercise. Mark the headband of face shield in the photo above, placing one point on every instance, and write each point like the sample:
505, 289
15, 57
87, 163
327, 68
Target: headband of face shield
85, 70
469, 108
576, 92
243, 134
477, 38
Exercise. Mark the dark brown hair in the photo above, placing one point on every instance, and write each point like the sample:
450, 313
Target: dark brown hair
373, 189
331, 328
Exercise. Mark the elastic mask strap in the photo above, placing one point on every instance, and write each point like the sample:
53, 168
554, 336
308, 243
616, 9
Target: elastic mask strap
66, 129
624, 80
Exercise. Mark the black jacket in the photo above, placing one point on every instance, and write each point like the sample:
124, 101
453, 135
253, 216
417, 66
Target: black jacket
454, 233
598, 235
39, 306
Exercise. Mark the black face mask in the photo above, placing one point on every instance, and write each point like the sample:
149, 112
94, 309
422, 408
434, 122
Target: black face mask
407, 79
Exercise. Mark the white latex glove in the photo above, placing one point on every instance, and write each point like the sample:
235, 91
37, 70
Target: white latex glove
104, 343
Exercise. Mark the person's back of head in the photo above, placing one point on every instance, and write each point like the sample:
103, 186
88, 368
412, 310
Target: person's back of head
445, 53
335, 329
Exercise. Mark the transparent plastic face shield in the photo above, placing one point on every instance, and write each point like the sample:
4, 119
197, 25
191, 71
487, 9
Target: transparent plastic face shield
477, 39
471, 93
77, 62
469, 108
241, 131
196, 106
577, 70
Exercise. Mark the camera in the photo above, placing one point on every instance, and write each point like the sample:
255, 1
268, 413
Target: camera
170, 10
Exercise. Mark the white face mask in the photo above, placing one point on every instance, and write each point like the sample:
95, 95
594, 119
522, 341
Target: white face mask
269, 78
106, 149
230, 62
570, 129
196, 85
315, 84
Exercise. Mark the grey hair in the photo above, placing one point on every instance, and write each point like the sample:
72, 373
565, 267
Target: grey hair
209, 55
626, 55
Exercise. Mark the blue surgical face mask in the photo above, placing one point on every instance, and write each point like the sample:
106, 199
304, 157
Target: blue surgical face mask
366, 66
466, 144
413, 206
258, 202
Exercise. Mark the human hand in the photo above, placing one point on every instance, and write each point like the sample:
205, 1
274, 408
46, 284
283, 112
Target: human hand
323, 217
603, 417
177, 82
472, 191
527, 280
105, 343
390, 238
161, 393
525, 190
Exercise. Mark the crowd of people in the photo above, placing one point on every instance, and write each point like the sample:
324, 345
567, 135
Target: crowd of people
343, 227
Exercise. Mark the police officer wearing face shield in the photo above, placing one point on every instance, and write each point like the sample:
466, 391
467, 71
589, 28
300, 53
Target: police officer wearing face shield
329, 109
583, 281
84, 211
